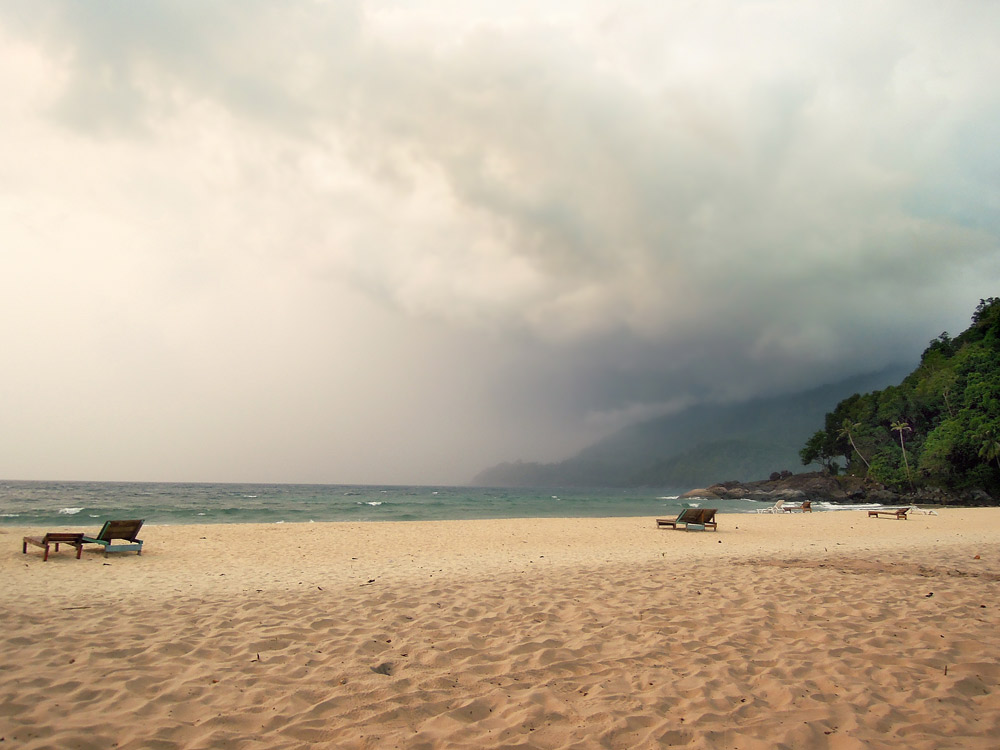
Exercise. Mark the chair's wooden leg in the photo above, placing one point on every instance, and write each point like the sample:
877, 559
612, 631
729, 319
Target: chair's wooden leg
45, 557
79, 551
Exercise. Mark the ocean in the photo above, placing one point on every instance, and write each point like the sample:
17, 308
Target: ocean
31, 503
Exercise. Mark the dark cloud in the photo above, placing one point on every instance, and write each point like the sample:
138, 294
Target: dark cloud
583, 214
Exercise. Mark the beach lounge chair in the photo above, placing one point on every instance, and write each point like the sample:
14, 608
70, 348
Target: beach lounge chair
693, 519
776, 508
806, 507
54, 538
124, 530
898, 513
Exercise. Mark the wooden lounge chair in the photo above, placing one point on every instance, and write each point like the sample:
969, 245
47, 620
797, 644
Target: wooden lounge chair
693, 519
54, 538
898, 513
806, 507
125, 530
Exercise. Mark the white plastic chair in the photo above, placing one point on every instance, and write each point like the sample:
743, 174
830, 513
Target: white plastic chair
776, 508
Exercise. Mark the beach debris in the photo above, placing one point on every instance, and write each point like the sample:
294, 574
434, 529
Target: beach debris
976, 557
929, 595
383, 668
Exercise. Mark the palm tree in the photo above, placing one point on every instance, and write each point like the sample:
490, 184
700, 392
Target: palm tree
845, 431
902, 427
990, 448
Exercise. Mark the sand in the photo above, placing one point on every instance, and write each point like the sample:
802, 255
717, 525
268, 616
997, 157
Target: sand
824, 630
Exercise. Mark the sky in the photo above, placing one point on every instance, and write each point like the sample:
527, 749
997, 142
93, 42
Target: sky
399, 242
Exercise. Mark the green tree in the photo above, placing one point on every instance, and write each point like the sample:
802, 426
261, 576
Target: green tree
941, 451
985, 309
819, 449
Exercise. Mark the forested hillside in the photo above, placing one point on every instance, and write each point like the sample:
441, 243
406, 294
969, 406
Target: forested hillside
698, 446
940, 427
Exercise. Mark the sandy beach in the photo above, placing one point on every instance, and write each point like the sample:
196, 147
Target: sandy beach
824, 630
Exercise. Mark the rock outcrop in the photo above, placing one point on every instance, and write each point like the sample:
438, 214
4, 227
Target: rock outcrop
821, 486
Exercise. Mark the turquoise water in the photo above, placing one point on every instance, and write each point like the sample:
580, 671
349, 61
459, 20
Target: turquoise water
86, 503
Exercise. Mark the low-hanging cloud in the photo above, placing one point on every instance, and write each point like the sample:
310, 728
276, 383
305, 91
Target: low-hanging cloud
582, 214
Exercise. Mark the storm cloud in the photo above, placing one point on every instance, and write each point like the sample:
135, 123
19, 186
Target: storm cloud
396, 242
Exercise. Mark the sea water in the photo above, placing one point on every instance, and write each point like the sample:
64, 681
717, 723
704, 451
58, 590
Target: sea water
29, 503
